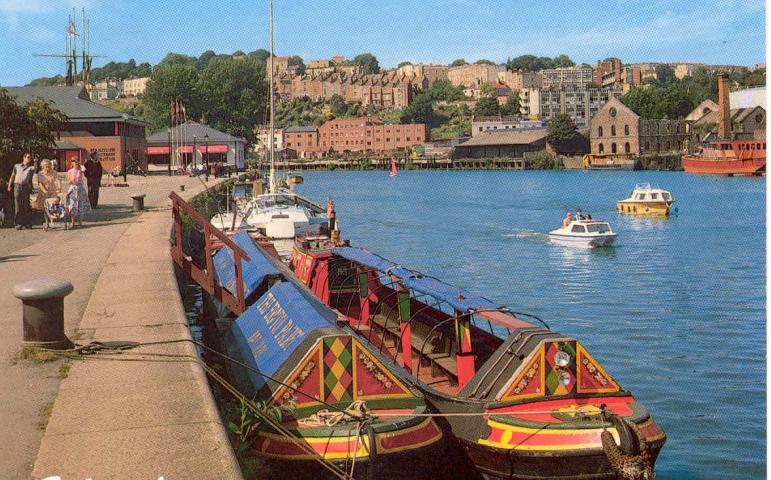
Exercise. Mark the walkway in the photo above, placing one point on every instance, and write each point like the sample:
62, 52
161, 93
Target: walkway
133, 420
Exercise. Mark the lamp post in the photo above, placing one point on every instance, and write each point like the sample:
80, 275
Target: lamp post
206, 137
124, 148
169, 135
195, 164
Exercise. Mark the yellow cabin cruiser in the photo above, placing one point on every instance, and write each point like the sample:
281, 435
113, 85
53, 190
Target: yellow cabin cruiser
646, 201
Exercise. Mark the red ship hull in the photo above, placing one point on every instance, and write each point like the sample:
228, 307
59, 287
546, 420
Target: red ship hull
750, 166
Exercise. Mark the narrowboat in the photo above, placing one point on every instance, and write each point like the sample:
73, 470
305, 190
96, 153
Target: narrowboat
341, 401
646, 200
584, 234
523, 401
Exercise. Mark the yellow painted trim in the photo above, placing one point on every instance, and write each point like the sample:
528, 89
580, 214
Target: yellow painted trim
382, 450
363, 450
574, 446
545, 430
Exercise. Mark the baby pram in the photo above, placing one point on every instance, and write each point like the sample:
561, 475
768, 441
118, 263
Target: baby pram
55, 214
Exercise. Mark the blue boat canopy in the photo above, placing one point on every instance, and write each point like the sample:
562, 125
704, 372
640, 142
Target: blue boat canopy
459, 299
269, 332
254, 271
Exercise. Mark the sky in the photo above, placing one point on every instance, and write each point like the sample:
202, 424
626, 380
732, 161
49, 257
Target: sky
428, 31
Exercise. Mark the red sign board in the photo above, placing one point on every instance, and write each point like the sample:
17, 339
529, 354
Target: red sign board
214, 149
185, 149
157, 150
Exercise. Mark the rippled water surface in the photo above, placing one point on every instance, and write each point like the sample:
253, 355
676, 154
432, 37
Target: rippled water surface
675, 311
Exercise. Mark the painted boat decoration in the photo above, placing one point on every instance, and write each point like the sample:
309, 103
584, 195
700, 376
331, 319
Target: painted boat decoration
321, 369
523, 401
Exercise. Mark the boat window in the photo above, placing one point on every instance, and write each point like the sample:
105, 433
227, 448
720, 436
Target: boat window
598, 227
640, 196
578, 228
666, 196
752, 146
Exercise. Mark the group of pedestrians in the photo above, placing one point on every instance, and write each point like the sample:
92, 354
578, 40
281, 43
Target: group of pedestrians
78, 201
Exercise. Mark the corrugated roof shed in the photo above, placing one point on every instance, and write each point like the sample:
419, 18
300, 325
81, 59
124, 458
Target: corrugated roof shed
507, 137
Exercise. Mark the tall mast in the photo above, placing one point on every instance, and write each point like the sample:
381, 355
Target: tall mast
272, 107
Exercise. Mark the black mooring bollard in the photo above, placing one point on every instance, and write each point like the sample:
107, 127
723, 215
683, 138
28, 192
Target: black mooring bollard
181, 188
43, 312
139, 201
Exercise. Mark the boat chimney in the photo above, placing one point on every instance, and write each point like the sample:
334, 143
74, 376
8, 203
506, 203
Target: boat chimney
724, 112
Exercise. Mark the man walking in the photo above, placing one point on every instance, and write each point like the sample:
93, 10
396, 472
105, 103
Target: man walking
94, 178
21, 184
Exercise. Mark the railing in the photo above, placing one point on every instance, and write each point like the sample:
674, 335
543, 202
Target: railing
236, 303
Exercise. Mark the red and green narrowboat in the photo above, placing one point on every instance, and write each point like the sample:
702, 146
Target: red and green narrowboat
523, 401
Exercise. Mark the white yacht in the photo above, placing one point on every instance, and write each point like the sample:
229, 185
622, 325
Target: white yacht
584, 233
283, 214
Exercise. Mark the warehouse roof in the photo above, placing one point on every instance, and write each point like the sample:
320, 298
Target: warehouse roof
193, 129
507, 137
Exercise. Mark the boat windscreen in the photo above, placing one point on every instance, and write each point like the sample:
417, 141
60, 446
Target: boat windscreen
598, 227
457, 298
254, 271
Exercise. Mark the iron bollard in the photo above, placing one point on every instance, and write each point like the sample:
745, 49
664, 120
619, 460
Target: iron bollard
43, 312
139, 201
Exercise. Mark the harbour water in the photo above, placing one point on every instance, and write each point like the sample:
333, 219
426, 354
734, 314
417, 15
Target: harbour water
675, 311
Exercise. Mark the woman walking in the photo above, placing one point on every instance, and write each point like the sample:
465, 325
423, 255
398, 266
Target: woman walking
77, 197
47, 181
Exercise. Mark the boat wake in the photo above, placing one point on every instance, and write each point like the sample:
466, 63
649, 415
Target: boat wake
528, 235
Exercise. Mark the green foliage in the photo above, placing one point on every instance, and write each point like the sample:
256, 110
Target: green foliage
458, 62
445, 90
121, 71
543, 160
299, 111
27, 128
297, 60
367, 62
750, 79
260, 56
338, 106
172, 58
665, 75
234, 95
674, 101
419, 110
562, 128
484, 62
402, 64
47, 81
536, 64
390, 117
487, 90
512, 105
487, 106
451, 121
169, 82
204, 59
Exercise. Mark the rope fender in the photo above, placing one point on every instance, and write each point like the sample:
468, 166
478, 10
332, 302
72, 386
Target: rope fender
627, 466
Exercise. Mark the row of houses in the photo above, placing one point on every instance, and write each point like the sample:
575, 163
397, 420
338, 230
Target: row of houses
110, 89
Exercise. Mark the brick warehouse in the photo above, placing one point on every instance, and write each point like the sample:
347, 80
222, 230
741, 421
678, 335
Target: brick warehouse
117, 137
358, 134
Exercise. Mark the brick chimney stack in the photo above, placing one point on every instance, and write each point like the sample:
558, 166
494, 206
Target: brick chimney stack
724, 112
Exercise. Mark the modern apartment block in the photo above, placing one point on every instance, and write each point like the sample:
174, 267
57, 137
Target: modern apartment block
577, 77
608, 73
495, 123
581, 104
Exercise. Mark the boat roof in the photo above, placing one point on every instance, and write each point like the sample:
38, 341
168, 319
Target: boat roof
459, 299
254, 271
647, 187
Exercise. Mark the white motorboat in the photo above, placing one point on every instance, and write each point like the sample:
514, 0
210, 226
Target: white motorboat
584, 233
283, 214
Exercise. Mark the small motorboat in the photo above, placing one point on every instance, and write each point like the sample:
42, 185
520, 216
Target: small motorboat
646, 200
584, 233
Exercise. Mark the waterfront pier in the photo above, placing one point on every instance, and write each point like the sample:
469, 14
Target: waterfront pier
98, 418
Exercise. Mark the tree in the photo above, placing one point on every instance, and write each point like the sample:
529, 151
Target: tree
665, 75
172, 58
47, 81
234, 96
419, 110
445, 90
403, 64
297, 61
338, 106
563, 61
487, 90
484, 62
259, 56
512, 105
642, 101
367, 62
458, 62
562, 128
168, 83
530, 63
487, 106
204, 59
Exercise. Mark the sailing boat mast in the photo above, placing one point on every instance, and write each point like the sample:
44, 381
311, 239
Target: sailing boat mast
272, 180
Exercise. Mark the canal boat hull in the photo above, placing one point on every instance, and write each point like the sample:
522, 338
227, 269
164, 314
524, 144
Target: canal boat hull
746, 166
653, 209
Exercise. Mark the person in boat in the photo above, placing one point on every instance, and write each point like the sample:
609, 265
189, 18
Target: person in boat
579, 215
587, 217
567, 220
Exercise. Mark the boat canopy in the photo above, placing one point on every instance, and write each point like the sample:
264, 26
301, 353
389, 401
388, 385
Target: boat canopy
457, 298
274, 326
254, 271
